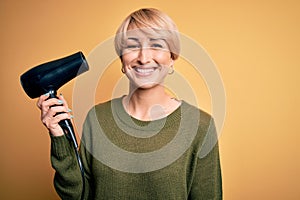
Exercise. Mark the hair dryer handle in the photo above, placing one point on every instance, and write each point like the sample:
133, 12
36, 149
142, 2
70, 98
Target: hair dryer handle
67, 127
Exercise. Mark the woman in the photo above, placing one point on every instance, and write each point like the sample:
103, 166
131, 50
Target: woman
145, 122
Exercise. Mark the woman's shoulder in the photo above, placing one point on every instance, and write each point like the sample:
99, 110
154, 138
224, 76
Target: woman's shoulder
206, 136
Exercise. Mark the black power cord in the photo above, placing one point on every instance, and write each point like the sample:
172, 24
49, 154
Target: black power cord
81, 171
71, 137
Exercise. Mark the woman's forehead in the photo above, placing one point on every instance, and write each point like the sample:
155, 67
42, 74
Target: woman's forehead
145, 33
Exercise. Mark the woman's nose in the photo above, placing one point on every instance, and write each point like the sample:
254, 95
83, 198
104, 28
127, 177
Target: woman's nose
145, 55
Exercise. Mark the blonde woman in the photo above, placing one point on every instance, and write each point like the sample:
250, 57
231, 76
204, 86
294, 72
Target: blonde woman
145, 122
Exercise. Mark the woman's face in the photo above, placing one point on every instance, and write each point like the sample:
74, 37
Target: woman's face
146, 59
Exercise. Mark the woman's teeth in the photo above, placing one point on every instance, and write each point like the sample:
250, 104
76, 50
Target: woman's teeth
144, 70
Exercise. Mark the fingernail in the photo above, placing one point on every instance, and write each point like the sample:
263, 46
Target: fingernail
69, 110
60, 101
46, 94
71, 116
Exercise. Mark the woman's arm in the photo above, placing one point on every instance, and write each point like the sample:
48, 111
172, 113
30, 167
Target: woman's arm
68, 180
207, 181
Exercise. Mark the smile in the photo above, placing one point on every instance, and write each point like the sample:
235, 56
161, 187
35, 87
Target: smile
144, 71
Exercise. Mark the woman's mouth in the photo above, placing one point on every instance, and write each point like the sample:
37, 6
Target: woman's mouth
144, 71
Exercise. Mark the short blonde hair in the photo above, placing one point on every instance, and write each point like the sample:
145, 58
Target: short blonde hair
154, 20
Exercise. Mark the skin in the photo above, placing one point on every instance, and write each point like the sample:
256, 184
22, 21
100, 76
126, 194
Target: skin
147, 99
146, 61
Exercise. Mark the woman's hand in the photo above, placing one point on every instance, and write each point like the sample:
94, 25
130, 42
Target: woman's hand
49, 108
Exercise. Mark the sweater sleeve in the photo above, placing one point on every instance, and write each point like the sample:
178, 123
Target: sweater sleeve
207, 179
68, 180
207, 182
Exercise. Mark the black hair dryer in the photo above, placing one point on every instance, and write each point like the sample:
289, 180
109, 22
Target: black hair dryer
49, 77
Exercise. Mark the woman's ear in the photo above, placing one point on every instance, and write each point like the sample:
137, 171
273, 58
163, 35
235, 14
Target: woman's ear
122, 65
123, 70
172, 62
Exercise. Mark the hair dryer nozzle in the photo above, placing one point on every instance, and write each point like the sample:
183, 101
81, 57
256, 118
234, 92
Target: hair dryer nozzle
52, 75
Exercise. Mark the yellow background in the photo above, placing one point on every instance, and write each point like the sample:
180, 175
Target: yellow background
255, 45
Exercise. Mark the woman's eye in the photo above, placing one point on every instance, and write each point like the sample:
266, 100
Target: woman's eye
132, 46
156, 45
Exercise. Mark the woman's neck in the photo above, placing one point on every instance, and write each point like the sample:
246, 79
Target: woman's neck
149, 104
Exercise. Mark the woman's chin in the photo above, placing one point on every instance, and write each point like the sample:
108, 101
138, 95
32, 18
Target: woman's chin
146, 84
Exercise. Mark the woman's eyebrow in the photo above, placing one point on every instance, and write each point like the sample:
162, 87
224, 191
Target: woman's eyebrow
150, 39
155, 39
133, 38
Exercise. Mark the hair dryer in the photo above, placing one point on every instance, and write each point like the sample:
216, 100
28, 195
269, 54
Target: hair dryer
50, 76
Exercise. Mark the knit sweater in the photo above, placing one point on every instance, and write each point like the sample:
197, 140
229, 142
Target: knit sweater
129, 159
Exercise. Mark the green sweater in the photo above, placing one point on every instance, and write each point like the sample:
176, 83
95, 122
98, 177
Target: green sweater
124, 158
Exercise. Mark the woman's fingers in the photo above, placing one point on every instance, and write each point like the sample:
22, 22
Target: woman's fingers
52, 112
46, 105
62, 99
41, 100
51, 122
